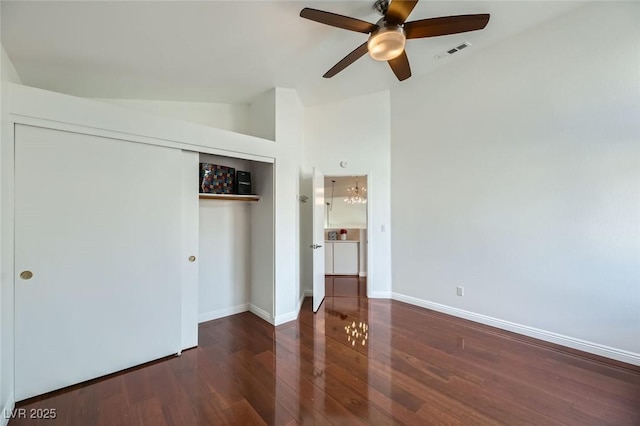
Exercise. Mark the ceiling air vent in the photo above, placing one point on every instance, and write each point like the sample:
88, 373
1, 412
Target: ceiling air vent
453, 50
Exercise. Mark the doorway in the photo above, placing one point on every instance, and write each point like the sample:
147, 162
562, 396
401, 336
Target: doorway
346, 235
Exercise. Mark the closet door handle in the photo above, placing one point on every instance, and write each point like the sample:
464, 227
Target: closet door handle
192, 258
315, 246
26, 275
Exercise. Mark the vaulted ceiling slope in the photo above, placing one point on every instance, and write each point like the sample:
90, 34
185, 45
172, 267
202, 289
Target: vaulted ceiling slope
227, 51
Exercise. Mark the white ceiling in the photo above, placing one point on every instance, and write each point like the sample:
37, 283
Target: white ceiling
228, 51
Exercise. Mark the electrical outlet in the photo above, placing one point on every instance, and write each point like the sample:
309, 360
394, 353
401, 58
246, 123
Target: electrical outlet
460, 291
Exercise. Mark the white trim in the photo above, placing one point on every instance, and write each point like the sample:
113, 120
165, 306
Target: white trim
379, 294
8, 408
132, 137
292, 316
362, 274
302, 296
43, 108
261, 313
547, 336
224, 312
372, 237
281, 319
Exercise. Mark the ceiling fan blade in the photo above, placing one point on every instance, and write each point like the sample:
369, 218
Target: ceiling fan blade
399, 11
357, 53
339, 21
400, 66
434, 27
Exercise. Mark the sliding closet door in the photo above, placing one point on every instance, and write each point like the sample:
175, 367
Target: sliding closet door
98, 251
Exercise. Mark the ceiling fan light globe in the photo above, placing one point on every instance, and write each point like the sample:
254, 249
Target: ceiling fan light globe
386, 43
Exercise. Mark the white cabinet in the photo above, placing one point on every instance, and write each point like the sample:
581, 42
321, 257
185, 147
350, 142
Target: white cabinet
328, 258
341, 257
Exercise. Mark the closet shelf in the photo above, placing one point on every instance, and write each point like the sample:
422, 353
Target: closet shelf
230, 197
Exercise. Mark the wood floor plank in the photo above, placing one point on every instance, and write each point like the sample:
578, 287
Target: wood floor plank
147, 412
412, 366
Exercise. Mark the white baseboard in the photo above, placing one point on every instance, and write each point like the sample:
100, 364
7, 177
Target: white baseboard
221, 313
292, 316
232, 310
547, 336
281, 319
7, 410
302, 296
261, 313
362, 274
380, 295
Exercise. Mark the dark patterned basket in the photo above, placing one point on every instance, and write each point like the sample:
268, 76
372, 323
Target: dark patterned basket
215, 179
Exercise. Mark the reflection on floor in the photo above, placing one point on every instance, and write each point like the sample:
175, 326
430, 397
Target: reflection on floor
345, 286
357, 361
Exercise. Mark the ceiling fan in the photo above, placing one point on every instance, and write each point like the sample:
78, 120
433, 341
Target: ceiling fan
387, 36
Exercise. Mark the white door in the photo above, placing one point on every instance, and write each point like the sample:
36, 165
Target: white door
318, 238
190, 247
97, 257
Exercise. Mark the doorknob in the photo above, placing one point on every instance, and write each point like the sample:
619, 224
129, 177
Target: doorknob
315, 246
26, 275
192, 258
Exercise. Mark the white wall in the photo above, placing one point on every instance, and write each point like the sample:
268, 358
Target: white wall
305, 225
341, 214
232, 117
262, 116
7, 74
345, 215
262, 243
362, 254
289, 131
357, 131
517, 176
255, 119
225, 258
225, 251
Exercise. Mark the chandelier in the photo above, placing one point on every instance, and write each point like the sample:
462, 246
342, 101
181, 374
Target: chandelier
356, 195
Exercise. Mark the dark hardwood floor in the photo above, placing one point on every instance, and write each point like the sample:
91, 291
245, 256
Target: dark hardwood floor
357, 361
345, 286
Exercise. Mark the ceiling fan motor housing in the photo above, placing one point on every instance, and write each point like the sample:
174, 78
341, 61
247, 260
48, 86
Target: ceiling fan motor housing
381, 6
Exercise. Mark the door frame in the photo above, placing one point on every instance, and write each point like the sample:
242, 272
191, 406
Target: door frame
369, 242
318, 285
